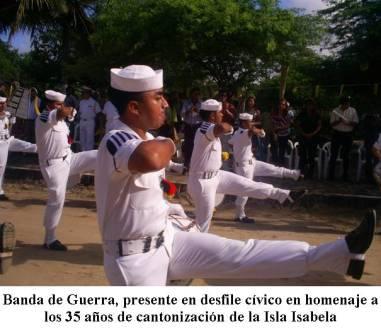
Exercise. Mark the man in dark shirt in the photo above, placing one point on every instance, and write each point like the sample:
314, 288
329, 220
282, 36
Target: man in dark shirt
309, 123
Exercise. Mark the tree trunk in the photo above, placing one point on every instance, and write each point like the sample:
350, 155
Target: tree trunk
283, 80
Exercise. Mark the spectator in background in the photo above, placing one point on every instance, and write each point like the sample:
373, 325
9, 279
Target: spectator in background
259, 143
343, 121
176, 103
34, 106
370, 128
281, 122
309, 124
71, 99
88, 109
111, 113
191, 118
3, 89
376, 152
229, 111
168, 129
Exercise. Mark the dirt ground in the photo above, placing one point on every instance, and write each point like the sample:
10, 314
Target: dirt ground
82, 264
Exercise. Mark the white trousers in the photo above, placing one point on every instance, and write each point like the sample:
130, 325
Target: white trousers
204, 255
56, 178
203, 192
87, 134
12, 145
259, 168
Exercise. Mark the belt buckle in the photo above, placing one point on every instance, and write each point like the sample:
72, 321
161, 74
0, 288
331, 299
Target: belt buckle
147, 244
160, 239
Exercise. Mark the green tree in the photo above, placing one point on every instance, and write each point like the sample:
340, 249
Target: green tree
68, 22
229, 43
356, 29
9, 63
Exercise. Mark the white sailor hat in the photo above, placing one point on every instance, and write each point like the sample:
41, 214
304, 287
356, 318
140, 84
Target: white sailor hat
86, 88
55, 96
245, 116
3, 99
211, 105
136, 78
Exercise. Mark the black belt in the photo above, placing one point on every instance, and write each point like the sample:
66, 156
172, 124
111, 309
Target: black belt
241, 164
209, 175
142, 245
63, 159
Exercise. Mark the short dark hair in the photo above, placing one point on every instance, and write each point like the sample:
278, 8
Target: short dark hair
345, 99
194, 90
205, 115
120, 99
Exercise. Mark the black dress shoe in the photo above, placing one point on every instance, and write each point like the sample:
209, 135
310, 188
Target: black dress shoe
361, 237
55, 246
3, 197
245, 220
356, 268
294, 197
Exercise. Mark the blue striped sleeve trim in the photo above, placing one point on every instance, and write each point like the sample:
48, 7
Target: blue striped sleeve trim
204, 127
117, 140
44, 116
111, 147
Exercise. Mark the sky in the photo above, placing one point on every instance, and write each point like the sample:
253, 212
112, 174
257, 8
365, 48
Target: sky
309, 5
21, 40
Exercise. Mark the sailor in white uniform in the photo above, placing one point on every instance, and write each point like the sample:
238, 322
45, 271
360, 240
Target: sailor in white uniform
57, 162
9, 143
88, 109
139, 243
111, 114
247, 166
205, 177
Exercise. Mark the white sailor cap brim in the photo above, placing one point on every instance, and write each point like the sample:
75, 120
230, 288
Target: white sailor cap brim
211, 105
3, 99
245, 116
55, 96
136, 78
86, 88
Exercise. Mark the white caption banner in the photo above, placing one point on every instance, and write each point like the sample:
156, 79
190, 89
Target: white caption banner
190, 310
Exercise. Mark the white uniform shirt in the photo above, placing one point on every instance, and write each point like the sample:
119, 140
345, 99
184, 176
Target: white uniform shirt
241, 143
349, 114
5, 124
206, 155
191, 118
88, 108
129, 205
51, 136
377, 144
111, 112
